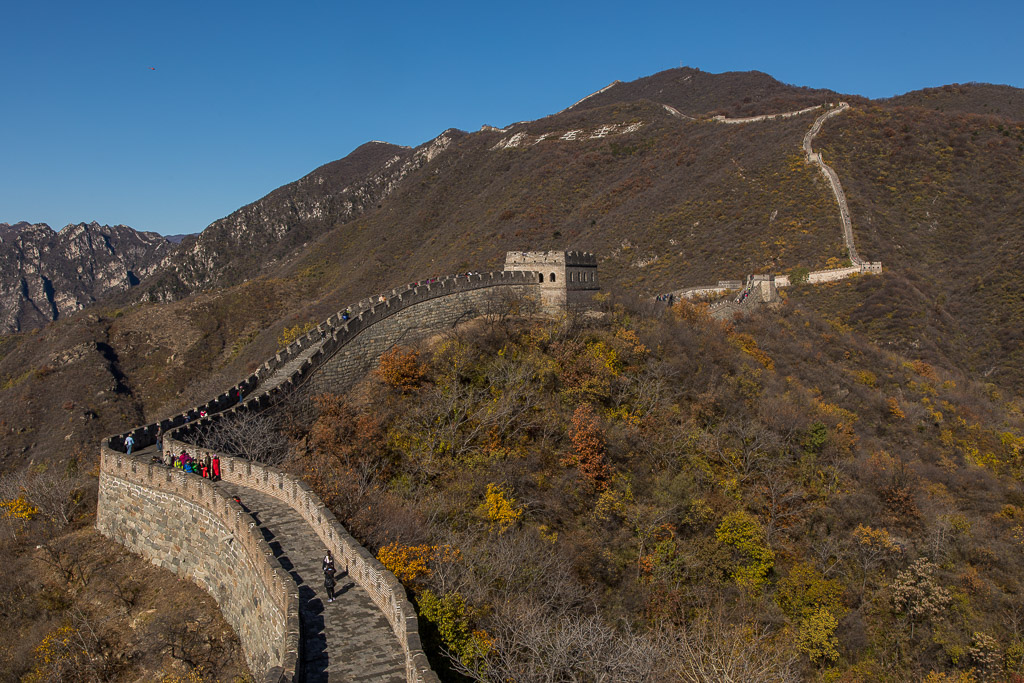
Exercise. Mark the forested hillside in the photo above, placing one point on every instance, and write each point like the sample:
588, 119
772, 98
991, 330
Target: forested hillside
661, 496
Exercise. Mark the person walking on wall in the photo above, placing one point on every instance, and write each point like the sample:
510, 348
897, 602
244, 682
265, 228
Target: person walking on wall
328, 563
215, 467
129, 442
328, 566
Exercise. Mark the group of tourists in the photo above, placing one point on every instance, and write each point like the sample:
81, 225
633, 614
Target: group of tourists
208, 467
668, 298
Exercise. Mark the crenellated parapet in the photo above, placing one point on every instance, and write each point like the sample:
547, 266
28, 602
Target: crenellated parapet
183, 523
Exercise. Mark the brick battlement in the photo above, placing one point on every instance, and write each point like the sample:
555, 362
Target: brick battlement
183, 523
565, 258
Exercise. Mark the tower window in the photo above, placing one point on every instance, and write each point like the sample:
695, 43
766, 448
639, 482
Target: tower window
552, 277
541, 276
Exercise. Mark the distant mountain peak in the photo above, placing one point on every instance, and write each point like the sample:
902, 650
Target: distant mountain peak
45, 274
23, 225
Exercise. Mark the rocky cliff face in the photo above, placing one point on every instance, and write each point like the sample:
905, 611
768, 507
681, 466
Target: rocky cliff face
45, 274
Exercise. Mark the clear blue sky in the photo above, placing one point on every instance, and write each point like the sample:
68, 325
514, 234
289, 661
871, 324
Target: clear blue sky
248, 96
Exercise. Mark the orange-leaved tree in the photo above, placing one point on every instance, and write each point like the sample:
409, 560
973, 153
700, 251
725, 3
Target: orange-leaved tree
588, 446
401, 369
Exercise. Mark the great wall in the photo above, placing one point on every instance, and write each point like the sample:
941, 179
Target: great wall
195, 527
760, 289
253, 539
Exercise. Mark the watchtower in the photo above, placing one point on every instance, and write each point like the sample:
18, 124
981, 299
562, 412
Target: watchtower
565, 278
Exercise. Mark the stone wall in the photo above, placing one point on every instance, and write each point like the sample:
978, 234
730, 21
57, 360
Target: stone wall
365, 569
331, 357
303, 357
356, 358
181, 522
833, 274
764, 117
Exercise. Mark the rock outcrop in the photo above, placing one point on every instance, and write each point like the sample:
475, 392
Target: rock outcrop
45, 274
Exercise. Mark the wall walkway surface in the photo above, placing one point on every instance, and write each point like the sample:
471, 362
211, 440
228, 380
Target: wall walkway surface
348, 639
379, 584
833, 179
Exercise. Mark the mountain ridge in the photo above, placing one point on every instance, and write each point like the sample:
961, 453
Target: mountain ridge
274, 227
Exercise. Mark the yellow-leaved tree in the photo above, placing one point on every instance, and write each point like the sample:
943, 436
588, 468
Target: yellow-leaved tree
499, 507
742, 532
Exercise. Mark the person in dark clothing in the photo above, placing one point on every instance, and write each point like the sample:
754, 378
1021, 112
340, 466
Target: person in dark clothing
328, 563
329, 585
328, 567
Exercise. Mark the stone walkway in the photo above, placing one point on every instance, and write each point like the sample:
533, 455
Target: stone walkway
347, 640
281, 375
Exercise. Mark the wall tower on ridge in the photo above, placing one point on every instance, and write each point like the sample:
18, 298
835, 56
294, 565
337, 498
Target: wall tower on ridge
566, 278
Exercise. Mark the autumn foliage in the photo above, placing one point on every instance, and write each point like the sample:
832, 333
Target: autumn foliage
745, 497
400, 369
587, 453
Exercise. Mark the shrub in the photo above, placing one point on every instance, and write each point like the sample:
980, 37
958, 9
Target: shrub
451, 615
290, 334
816, 635
812, 601
407, 562
587, 453
401, 369
744, 533
917, 593
499, 508
799, 275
